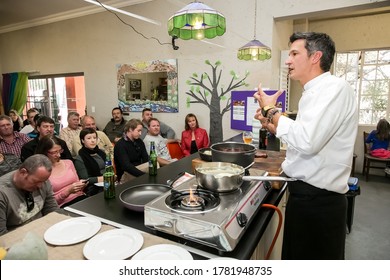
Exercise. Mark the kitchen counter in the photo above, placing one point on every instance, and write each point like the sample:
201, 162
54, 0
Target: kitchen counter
114, 213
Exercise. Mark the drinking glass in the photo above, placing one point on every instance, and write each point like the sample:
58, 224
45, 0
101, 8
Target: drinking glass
247, 137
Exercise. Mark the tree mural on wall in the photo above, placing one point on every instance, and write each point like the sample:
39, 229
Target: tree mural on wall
206, 89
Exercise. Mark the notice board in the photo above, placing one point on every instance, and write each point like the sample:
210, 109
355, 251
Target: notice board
244, 106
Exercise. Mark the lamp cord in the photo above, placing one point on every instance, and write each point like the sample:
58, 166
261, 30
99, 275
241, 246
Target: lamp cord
254, 35
125, 23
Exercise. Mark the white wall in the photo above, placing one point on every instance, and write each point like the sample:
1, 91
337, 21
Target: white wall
94, 44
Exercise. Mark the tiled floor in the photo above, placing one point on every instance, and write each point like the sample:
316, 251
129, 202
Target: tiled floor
369, 238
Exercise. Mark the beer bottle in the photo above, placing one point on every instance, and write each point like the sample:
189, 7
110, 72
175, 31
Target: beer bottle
109, 178
263, 139
152, 160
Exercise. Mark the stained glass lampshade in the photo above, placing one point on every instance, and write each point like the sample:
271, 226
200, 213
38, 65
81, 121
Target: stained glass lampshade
196, 21
254, 50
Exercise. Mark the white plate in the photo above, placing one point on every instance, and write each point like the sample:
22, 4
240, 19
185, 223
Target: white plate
72, 231
115, 244
163, 252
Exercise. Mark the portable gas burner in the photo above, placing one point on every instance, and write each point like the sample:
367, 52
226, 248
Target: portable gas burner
214, 219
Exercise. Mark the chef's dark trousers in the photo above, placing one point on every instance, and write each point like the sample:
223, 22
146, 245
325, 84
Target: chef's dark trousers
315, 224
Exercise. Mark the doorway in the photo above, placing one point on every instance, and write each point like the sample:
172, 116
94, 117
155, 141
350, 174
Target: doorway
57, 95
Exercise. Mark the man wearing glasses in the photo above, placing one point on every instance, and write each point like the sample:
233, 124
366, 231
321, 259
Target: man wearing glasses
26, 194
45, 126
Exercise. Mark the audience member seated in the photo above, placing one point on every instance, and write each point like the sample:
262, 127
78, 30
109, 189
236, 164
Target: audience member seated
30, 126
72, 130
379, 140
16, 120
26, 193
103, 141
380, 137
193, 137
114, 128
130, 154
34, 134
160, 143
11, 142
90, 161
45, 126
8, 163
165, 130
66, 185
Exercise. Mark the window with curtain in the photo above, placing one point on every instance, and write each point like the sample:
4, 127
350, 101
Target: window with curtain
368, 72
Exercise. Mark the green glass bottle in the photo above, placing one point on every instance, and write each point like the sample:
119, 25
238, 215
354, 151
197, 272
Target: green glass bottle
152, 160
109, 178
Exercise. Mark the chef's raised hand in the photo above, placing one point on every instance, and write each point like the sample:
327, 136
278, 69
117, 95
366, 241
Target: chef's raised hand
265, 99
259, 116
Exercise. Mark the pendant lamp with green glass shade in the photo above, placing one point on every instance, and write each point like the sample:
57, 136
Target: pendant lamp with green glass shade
196, 21
254, 50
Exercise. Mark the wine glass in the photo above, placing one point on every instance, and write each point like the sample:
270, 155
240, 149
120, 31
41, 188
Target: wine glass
247, 137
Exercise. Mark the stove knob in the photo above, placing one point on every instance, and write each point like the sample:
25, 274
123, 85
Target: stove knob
242, 219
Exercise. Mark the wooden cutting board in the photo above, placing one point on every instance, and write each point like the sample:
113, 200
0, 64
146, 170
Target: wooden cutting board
272, 163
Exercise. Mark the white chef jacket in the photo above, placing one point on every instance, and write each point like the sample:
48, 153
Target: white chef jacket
320, 142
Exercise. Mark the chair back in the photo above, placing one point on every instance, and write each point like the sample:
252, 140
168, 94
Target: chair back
175, 150
366, 146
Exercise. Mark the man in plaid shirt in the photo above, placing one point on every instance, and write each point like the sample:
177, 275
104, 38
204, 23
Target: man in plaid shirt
11, 141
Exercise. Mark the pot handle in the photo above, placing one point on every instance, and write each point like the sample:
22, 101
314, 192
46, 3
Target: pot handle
268, 178
171, 182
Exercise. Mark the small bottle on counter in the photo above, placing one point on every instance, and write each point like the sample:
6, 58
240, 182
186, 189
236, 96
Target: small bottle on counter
109, 178
152, 160
263, 139
273, 142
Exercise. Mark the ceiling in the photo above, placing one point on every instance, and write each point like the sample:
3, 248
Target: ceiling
19, 14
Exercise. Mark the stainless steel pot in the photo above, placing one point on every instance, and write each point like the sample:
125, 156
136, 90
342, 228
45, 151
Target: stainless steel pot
233, 152
226, 177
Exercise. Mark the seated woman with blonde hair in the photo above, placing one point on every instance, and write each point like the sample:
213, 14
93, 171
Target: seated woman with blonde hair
67, 187
16, 120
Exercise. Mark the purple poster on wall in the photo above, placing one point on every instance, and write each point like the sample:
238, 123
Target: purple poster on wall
244, 107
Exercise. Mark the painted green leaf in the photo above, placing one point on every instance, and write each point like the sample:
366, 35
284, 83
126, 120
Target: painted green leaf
195, 75
207, 62
218, 63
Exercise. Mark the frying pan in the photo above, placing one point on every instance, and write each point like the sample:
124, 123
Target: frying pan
226, 177
135, 197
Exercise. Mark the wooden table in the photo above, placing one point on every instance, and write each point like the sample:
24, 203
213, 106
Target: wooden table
69, 252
